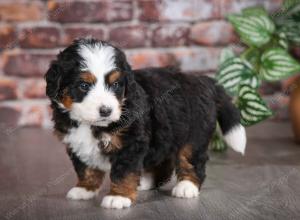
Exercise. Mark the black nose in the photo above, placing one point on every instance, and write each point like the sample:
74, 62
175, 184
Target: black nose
105, 111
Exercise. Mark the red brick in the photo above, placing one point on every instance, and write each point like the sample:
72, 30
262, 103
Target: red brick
86, 11
39, 37
148, 58
198, 59
234, 6
189, 10
149, 10
7, 36
213, 33
177, 10
9, 117
189, 59
26, 64
48, 123
15, 11
34, 88
170, 35
8, 89
128, 36
71, 33
32, 115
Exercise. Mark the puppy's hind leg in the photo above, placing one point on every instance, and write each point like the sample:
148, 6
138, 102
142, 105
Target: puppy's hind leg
146, 181
190, 174
158, 176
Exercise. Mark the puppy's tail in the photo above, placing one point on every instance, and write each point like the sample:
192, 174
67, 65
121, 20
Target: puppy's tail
229, 119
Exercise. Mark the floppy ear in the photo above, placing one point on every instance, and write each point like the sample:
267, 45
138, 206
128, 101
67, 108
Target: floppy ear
53, 78
126, 68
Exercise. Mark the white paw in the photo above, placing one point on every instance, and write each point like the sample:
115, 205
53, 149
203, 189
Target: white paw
185, 189
115, 202
80, 193
146, 182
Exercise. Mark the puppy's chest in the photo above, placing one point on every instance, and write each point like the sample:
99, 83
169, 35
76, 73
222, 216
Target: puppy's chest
88, 148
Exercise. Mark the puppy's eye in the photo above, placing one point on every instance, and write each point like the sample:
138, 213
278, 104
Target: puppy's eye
115, 85
84, 86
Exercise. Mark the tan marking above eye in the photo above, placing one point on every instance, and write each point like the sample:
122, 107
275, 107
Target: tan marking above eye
66, 100
113, 77
88, 77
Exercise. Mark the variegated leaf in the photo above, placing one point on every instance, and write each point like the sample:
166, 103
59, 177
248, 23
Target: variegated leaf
235, 71
226, 54
276, 64
255, 30
253, 108
254, 11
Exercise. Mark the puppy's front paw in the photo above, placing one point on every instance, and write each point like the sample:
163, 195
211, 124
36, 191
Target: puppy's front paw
80, 193
185, 189
115, 202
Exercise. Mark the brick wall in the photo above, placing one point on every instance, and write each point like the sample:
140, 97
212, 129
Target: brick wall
189, 33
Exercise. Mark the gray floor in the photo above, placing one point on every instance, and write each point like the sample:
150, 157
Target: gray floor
265, 184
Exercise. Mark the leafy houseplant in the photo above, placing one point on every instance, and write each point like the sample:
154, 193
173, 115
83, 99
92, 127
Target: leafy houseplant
266, 57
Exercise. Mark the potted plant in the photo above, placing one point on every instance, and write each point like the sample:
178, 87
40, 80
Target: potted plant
267, 40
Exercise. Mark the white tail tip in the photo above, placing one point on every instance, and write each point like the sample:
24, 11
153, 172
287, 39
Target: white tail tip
236, 139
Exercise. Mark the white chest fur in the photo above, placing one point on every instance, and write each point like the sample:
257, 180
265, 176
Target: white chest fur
85, 146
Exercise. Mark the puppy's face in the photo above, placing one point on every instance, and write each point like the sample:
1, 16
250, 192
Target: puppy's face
88, 80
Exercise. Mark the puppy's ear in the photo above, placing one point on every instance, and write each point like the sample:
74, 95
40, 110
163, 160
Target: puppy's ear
122, 60
53, 78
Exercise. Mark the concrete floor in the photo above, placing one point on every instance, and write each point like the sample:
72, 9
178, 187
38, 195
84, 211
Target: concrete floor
265, 184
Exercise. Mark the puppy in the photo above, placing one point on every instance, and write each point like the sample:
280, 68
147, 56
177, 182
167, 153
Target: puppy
138, 125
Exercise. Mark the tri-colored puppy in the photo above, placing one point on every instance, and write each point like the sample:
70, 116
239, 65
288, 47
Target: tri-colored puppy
139, 125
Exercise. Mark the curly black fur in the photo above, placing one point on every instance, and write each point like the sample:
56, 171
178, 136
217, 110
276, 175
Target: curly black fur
164, 110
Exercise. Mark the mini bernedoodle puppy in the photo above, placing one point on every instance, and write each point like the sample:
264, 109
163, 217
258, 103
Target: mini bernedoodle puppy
139, 125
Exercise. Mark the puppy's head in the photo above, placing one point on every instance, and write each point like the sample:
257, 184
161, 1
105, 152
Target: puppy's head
89, 79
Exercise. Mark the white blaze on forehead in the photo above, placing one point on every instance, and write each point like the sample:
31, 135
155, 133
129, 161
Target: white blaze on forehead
97, 59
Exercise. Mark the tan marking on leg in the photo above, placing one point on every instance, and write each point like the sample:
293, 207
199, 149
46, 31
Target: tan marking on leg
91, 180
126, 187
185, 170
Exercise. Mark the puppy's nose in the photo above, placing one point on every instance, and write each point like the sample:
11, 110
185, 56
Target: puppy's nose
105, 111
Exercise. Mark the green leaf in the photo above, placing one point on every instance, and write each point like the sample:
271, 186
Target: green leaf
288, 21
289, 13
235, 71
276, 64
289, 4
226, 54
291, 31
256, 10
283, 41
255, 30
253, 108
252, 81
252, 55
217, 142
